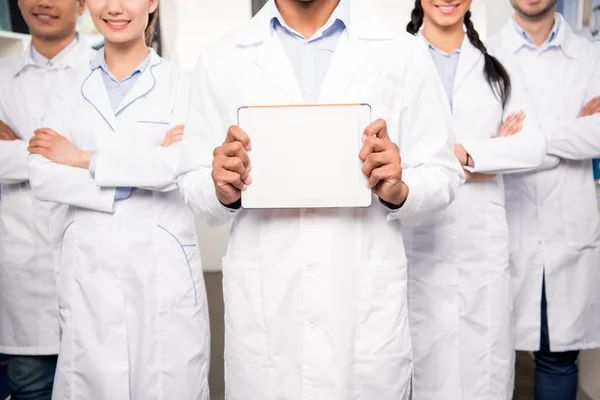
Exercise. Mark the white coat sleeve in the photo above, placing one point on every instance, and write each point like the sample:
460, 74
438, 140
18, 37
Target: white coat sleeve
430, 169
59, 183
579, 139
150, 168
522, 152
13, 153
206, 129
13, 161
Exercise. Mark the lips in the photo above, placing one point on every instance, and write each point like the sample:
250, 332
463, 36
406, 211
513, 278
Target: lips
447, 9
118, 24
45, 16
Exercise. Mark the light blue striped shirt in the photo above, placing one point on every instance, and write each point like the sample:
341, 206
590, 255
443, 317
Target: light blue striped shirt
446, 65
117, 91
310, 58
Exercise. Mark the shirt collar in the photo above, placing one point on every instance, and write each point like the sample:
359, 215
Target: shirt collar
341, 15
560, 36
528, 38
100, 62
70, 56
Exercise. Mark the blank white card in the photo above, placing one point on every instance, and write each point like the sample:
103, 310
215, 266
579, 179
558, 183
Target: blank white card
306, 156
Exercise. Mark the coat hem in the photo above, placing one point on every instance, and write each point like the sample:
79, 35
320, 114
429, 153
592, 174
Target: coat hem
29, 351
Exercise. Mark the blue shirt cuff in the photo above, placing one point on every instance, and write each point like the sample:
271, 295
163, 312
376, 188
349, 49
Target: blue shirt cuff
122, 193
92, 166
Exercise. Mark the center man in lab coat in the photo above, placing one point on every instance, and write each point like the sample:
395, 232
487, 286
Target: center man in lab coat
315, 300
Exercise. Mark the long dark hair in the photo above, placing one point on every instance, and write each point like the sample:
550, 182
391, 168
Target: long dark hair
151, 28
495, 73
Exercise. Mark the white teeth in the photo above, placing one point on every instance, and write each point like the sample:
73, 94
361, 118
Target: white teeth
44, 16
118, 23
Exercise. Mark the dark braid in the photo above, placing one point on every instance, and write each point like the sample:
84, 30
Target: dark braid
416, 19
495, 73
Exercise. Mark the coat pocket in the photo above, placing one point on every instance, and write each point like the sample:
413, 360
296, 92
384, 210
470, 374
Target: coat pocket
67, 256
248, 369
245, 330
186, 279
382, 325
580, 213
383, 364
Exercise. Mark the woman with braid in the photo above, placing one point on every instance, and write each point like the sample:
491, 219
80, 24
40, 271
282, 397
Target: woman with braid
459, 282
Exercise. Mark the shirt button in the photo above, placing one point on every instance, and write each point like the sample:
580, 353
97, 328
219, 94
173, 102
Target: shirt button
312, 325
310, 267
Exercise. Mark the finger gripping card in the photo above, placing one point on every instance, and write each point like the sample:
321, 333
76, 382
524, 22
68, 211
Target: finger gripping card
306, 156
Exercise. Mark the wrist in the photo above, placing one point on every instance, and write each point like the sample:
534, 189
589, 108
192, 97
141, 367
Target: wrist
83, 159
399, 200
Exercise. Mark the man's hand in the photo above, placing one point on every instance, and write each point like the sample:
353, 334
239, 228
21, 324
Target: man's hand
174, 135
592, 107
381, 158
231, 166
58, 149
512, 125
6, 133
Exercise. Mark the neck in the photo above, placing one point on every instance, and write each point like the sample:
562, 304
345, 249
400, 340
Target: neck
123, 58
306, 17
445, 39
50, 48
539, 28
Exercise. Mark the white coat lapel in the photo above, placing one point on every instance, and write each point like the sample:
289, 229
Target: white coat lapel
144, 84
469, 57
349, 57
270, 56
94, 92
353, 50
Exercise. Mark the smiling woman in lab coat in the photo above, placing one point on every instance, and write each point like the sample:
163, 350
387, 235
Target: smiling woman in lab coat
459, 282
132, 302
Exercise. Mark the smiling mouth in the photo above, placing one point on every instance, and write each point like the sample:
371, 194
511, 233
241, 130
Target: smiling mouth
45, 17
447, 8
118, 24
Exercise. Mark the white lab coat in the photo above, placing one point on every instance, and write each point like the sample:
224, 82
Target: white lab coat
28, 298
553, 213
132, 301
459, 280
315, 300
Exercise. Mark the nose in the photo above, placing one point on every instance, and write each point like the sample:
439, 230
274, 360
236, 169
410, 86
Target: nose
44, 4
115, 7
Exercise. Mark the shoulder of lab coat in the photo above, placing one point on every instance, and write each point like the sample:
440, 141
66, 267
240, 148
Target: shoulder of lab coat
579, 139
59, 183
430, 168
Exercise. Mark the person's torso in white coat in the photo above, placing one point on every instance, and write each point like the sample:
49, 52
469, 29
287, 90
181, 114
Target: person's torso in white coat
553, 213
131, 291
315, 300
459, 294
28, 303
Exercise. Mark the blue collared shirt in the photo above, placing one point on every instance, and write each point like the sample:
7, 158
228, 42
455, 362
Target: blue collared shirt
310, 58
446, 65
527, 37
117, 91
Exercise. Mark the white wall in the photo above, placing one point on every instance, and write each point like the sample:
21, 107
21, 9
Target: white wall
188, 25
